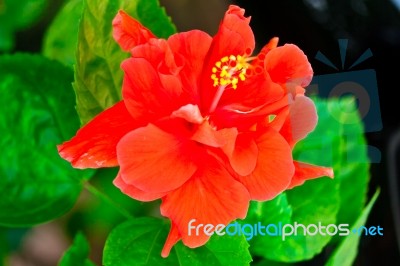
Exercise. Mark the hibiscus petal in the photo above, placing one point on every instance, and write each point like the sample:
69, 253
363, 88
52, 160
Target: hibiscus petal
143, 92
94, 145
207, 135
128, 32
288, 64
234, 37
134, 192
173, 237
243, 157
192, 46
302, 120
255, 90
306, 171
211, 196
190, 113
274, 169
243, 117
155, 161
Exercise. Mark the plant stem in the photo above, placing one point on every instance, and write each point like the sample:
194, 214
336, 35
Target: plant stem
92, 189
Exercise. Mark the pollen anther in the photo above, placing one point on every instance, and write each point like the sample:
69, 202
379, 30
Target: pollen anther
229, 71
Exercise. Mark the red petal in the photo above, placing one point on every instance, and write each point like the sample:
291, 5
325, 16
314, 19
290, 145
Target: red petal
211, 196
94, 145
128, 32
192, 46
288, 64
155, 161
172, 239
301, 120
243, 157
274, 168
234, 37
256, 90
143, 92
134, 192
190, 113
243, 117
306, 171
207, 135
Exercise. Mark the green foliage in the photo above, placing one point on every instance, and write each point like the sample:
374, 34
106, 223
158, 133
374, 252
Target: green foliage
17, 15
77, 254
146, 237
98, 77
61, 37
37, 115
347, 251
339, 141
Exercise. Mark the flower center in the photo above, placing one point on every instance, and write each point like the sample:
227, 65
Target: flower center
229, 70
227, 73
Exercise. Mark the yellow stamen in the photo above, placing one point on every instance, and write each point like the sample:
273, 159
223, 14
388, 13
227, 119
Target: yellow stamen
229, 71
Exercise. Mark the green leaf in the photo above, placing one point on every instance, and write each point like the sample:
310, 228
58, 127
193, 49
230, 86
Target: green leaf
37, 110
273, 212
339, 140
98, 77
61, 38
347, 251
17, 15
219, 251
139, 242
77, 254
314, 202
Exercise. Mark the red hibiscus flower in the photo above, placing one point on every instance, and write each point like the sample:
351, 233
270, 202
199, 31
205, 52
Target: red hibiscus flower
203, 125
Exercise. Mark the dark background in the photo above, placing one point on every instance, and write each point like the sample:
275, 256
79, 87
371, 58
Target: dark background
315, 25
366, 24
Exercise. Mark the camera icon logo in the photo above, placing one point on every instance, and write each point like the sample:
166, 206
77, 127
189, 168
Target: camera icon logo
360, 84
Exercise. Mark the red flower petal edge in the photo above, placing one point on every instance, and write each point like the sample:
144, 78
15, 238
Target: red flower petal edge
204, 125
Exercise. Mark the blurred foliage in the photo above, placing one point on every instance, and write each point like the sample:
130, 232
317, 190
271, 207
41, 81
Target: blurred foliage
17, 15
61, 37
37, 114
77, 254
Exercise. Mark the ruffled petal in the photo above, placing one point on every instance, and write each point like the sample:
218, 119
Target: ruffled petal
274, 169
128, 32
95, 144
192, 47
305, 171
155, 161
134, 192
243, 117
243, 155
144, 93
207, 135
234, 37
211, 196
288, 64
256, 90
190, 113
300, 121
